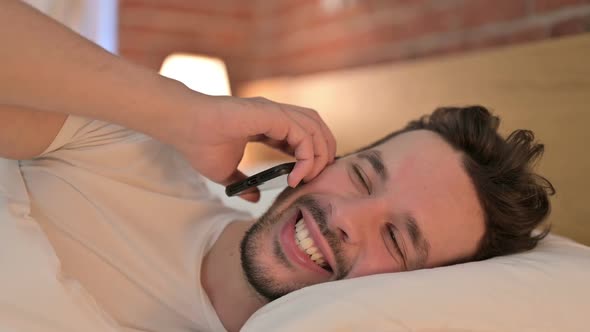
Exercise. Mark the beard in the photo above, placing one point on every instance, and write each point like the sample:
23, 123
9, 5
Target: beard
259, 273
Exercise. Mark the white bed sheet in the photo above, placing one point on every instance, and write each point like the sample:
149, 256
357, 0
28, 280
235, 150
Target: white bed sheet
33, 295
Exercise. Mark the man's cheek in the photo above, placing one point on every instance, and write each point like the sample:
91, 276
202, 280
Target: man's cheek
331, 180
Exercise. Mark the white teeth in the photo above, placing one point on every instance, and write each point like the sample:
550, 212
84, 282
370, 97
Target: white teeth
306, 244
299, 225
311, 250
302, 234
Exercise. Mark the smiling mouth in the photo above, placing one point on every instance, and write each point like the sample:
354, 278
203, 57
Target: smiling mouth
307, 245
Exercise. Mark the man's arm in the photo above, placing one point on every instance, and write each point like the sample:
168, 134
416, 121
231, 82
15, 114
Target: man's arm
25, 133
47, 67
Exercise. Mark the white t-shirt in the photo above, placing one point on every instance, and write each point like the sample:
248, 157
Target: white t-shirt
131, 221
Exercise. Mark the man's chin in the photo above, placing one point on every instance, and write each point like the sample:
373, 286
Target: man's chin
267, 279
264, 262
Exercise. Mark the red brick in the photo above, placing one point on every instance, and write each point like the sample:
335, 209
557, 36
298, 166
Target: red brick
571, 26
158, 42
225, 8
548, 5
281, 7
346, 42
362, 29
172, 20
477, 13
420, 14
164, 30
261, 38
310, 15
428, 21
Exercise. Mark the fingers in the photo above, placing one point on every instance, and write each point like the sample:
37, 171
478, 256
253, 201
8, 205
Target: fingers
252, 196
330, 139
327, 135
320, 147
296, 137
306, 135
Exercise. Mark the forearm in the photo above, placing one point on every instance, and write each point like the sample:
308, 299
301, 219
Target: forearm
45, 66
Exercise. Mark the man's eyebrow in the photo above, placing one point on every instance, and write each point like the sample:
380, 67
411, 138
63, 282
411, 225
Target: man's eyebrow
376, 161
421, 245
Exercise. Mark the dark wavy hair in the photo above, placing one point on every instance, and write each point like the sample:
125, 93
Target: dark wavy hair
514, 199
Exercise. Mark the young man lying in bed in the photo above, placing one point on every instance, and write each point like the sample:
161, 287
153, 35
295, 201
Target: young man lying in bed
130, 218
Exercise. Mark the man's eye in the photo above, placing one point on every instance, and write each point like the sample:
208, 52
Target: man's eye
362, 177
394, 239
392, 230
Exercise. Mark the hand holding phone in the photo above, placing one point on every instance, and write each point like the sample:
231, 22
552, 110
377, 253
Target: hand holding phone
258, 179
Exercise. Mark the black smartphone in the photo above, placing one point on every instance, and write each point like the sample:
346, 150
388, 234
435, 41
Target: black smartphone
259, 179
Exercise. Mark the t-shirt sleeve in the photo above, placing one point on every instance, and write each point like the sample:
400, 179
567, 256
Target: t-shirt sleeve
80, 132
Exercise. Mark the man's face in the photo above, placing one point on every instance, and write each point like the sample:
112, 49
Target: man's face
406, 204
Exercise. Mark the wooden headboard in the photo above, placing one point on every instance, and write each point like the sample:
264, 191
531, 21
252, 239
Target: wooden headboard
543, 86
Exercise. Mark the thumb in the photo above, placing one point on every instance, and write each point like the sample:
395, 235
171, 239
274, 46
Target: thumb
251, 194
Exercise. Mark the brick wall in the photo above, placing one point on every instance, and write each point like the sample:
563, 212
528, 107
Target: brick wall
150, 30
263, 38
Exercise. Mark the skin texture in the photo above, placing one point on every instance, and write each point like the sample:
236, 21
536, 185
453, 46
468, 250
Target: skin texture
421, 179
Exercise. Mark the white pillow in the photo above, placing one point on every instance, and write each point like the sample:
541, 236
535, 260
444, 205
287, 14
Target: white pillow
546, 289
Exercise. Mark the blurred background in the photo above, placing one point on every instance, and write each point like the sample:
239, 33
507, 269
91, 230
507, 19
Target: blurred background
268, 38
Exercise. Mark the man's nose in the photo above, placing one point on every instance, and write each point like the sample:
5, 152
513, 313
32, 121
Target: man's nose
357, 220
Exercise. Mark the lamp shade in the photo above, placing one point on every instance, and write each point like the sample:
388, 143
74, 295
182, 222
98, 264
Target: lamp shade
200, 73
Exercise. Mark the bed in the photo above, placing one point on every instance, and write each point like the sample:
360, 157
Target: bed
543, 86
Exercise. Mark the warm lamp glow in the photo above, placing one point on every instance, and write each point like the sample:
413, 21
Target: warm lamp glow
200, 73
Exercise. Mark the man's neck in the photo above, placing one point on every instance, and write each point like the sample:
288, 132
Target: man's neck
224, 282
